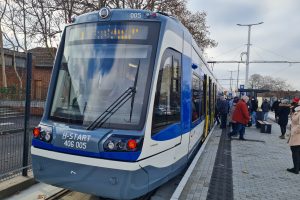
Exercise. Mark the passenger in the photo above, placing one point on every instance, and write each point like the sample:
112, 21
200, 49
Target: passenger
275, 108
265, 106
217, 115
249, 105
283, 116
254, 106
294, 140
223, 108
231, 103
231, 110
294, 104
241, 116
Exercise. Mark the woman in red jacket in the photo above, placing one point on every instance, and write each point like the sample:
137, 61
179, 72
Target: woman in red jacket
241, 117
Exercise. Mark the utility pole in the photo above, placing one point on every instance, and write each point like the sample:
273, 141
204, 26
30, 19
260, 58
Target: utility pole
238, 72
231, 71
248, 49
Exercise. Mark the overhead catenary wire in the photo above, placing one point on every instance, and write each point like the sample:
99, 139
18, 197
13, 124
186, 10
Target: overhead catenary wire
257, 54
272, 52
229, 51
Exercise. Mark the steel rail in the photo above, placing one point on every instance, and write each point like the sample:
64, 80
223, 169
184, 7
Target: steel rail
59, 194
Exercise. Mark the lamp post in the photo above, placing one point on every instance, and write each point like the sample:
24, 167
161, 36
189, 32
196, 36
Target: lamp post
238, 72
248, 49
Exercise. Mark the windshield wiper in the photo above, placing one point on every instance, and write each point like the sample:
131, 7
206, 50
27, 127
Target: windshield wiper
134, 87
114, 107
118, 103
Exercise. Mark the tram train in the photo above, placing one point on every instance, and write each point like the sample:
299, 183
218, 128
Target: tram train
130, 100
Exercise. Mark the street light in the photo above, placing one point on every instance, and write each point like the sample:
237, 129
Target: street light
248, 49
238, 72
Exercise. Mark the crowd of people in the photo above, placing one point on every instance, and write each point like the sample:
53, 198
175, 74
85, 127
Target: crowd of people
242, 112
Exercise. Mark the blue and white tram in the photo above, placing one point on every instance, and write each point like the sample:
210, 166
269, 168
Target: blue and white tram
129, 101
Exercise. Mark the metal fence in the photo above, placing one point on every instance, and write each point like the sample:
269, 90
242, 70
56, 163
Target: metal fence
11, 154
15, 141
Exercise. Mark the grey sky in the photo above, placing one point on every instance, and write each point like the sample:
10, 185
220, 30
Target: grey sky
277, 39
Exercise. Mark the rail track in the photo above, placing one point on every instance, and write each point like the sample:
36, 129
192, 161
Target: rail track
65, 194
163, 192
59, 194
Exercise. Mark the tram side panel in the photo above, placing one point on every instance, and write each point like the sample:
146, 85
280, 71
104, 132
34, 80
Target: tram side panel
197, 113
163, 151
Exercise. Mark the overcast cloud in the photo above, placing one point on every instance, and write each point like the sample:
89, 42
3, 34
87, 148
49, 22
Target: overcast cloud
278, 38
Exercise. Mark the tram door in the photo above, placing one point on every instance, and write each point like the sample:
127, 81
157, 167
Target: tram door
205, 105
213, 104
210, 102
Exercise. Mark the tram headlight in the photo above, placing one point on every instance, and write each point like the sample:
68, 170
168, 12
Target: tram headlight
43, 133
123, 143
104, 13
110, 145
47, 137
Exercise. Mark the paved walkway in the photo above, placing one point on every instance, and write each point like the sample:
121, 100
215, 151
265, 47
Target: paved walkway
258, 168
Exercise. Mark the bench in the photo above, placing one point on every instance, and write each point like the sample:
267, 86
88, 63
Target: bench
265, 127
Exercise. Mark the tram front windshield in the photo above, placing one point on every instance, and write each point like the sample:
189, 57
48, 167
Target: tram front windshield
99, 63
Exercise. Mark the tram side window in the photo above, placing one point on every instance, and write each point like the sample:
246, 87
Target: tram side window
167, 102
195, 98
201, 109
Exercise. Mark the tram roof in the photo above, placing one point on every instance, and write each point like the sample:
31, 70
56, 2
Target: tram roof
123, 15
136, 15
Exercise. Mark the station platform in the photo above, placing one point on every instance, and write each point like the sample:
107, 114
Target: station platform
225, 169
252, 169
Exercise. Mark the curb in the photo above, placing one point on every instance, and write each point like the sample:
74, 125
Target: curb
14, 185
176, 194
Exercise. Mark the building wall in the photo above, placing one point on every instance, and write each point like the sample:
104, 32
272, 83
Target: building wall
40, 82
42, 63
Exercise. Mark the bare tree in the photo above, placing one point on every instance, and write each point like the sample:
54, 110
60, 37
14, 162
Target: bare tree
40, 21
14, 47
45, 23
15, 25
257, 81
3, 6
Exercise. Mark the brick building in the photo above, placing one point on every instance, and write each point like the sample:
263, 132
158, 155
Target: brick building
11, 75
41, 72
43, 59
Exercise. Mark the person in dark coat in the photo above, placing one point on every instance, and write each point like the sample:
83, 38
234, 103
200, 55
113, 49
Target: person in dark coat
223, 109
265, 107
254, 106
283, 116
217, 114
275, 108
